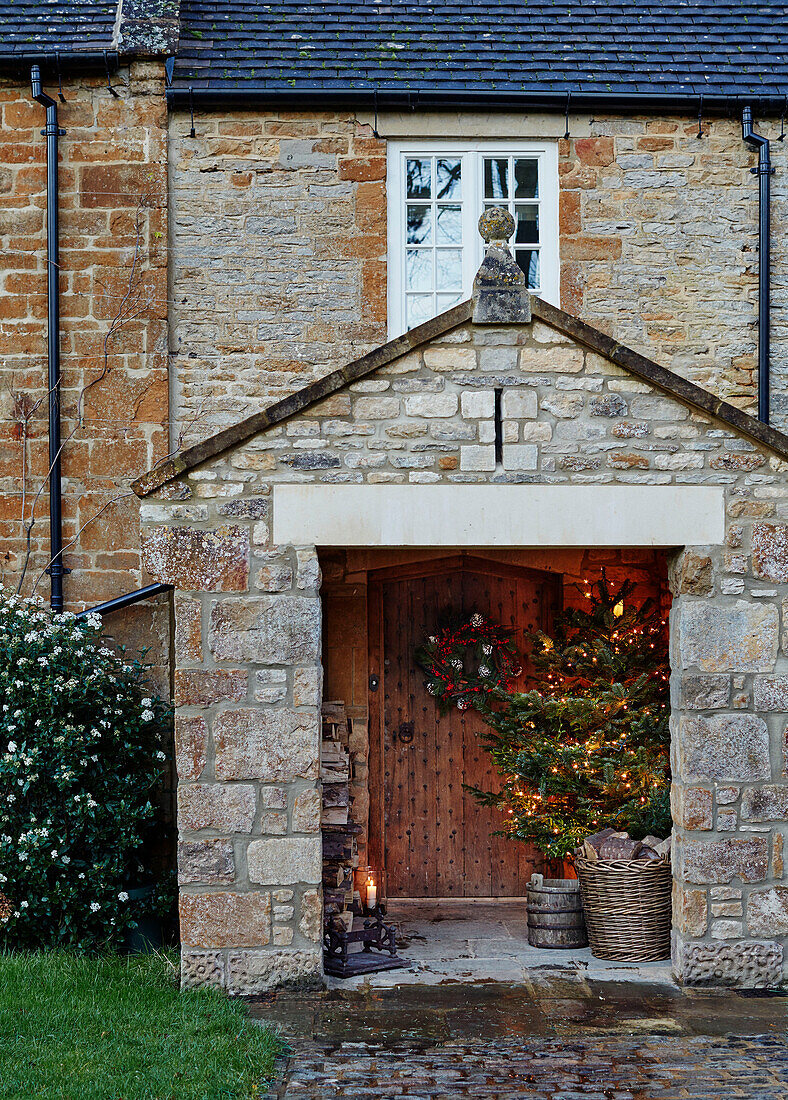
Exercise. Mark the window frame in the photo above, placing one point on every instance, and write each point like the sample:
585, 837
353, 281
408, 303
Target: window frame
472, 155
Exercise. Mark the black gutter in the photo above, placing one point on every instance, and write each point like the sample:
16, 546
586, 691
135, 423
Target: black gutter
52, 132
125, 601
52, 61
764, 172
259, 95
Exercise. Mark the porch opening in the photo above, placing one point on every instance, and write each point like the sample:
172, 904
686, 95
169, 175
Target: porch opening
453, 887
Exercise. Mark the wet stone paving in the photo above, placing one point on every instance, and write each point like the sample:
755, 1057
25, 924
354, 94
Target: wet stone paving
552, 1038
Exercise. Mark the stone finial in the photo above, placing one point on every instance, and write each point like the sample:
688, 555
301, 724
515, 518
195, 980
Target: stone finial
500, 296
496, 224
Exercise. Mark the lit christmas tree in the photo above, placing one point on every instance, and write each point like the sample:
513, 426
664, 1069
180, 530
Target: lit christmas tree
591, 748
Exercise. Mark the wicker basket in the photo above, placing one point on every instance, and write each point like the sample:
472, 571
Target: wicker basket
627, 904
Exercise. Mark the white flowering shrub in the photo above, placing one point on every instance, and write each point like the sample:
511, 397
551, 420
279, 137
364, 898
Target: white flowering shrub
80, 755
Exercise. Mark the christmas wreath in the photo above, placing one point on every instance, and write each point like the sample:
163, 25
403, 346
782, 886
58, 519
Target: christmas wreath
465, 662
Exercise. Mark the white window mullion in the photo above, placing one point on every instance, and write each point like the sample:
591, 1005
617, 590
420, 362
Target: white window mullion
472, 202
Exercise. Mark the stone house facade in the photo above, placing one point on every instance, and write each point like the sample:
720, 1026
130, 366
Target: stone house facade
244, 229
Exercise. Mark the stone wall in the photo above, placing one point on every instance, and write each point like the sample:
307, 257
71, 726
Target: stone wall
113, 225
659, 247
278, 256
279, 247
248, 650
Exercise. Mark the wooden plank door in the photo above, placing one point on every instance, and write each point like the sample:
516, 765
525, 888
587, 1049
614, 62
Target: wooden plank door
438, 841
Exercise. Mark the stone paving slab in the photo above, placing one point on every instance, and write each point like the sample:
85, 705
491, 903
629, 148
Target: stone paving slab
557, 1038
479, 942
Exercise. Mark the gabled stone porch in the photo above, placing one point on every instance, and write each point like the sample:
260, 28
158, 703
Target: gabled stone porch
598, 447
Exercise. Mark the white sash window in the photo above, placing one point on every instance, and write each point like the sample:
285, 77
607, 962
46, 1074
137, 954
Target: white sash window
436, 192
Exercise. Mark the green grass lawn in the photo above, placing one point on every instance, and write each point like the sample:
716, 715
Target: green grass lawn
119, 1029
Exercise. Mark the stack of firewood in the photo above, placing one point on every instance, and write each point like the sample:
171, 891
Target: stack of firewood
611, 844
340, 848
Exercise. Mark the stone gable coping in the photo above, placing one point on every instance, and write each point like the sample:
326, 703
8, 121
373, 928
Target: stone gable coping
621, 356
147, 28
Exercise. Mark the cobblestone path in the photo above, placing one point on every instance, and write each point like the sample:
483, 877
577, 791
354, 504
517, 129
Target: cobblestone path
554, 1039
654, 1068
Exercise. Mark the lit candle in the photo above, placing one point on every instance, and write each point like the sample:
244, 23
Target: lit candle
372, 893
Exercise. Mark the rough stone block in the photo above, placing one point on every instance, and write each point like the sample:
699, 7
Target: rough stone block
566, 359
275, 573
311, 923
248, 508
695, 575
227, 809
710, 861
203, 687
771, 693
226, 919
726, 930
723, 746
519, 404
767, 912
376, 408
726, 796
209, 561
274, 824
188, 639
285, 861
308, 569
692, 807
205, 861
270, 685
608, 404
564, 406
275, 746
705, 692
744, 965
739, 637
520, 456
191, 746
453, 358
306, 812
431, 404
770, 551
253, 972
274, 798
480, 458
307, 685
691, 911
766, 803
266, 630
478, 404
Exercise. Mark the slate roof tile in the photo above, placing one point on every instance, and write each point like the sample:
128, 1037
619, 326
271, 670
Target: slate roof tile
27, 26
672, 47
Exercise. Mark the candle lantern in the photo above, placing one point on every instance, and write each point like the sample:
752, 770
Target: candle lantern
341, 955
372, 891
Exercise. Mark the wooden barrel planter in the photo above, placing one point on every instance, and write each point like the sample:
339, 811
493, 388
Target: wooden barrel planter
627, 905
555, 913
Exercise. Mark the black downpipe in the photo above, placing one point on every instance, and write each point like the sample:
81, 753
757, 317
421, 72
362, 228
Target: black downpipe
764, 172
53, 132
